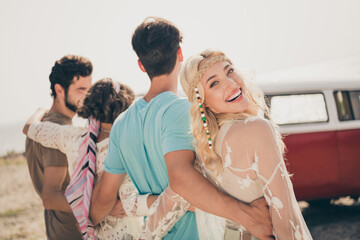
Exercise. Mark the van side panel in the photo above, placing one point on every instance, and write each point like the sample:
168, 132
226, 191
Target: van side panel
349, 157
313, 159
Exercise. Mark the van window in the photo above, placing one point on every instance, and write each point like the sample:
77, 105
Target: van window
348, 105
298, 108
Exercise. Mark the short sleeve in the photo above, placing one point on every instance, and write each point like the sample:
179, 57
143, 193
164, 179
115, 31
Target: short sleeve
176, 134
54, 158
113, 162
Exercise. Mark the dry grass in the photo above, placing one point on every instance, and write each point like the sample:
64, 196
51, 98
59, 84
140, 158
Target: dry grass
21, 210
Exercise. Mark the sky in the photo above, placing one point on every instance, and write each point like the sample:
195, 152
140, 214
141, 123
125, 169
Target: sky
261, 35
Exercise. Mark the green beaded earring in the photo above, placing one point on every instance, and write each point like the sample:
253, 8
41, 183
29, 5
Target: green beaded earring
203, 117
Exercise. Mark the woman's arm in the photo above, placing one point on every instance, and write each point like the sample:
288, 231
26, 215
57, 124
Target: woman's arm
163, 210
163, 214
287, 219
35, 118
267, 162
53, 135
134, 204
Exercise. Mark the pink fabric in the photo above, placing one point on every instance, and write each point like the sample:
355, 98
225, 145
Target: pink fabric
78, 193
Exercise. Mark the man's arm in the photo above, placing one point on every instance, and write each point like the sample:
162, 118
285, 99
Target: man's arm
104, 196
196, 189
52, 193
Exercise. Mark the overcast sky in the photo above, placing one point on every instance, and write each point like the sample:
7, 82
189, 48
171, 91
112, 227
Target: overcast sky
263, 35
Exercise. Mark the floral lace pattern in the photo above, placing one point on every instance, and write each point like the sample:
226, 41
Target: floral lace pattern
254, 167
67, 139
61, 137
163, 214
133, 204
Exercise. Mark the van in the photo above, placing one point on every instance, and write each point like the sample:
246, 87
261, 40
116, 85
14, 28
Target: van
318, 111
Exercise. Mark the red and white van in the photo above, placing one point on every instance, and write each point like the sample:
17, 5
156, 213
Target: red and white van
318, 110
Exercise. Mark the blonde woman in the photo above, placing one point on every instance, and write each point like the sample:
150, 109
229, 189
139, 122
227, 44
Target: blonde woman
238, 150
241, 151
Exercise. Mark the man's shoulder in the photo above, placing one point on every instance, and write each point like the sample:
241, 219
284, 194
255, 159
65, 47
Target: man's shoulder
172, 101
34, 148
170, 96
128, 116
56, 117
35, 152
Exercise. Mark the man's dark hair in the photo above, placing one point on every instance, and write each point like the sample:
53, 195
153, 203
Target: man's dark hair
68, 67
156, 42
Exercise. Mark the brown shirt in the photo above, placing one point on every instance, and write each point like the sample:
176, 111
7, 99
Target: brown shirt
59, 224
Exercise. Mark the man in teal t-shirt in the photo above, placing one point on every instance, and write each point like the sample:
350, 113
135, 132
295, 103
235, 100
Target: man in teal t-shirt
138, 142
152, 143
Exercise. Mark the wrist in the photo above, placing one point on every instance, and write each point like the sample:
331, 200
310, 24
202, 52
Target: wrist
242, 214
142, 208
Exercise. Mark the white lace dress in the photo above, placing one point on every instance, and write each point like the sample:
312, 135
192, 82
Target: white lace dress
67, 139
253, 167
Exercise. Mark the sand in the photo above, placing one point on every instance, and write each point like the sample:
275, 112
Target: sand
21, 210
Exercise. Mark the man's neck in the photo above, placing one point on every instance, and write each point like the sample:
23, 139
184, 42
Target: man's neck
160, 84
62, 109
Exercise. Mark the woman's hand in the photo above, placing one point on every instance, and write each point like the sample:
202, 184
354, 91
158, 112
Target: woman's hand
36, 117
118, 210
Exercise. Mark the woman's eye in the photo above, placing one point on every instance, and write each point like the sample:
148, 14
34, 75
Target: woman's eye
213, 83
231, 70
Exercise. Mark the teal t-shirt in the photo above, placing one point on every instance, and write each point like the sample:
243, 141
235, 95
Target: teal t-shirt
139, 139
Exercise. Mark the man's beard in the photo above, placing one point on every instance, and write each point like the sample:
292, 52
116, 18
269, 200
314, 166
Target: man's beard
69, 105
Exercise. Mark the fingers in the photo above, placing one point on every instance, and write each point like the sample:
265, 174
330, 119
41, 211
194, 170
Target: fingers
268, 238
118, 215
260, 202
118, 210
261, 226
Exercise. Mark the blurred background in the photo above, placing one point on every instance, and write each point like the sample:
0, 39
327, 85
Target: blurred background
259, 35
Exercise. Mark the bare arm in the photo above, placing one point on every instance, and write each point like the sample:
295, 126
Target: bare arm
151, 199
196, 189
52, 194
104, 196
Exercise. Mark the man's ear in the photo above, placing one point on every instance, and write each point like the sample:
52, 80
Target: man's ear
60, 91
141, 66
180, 55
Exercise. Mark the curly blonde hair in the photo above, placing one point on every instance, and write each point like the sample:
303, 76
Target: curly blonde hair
190, 75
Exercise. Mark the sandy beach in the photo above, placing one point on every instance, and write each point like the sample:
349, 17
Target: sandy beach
21, 210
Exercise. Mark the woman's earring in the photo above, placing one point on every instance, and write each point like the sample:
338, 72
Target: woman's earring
203, 117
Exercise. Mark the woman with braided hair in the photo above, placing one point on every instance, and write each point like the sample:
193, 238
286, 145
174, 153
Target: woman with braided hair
86, 149
239, 150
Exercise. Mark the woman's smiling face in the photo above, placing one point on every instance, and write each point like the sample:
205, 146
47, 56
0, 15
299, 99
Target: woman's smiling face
225, 91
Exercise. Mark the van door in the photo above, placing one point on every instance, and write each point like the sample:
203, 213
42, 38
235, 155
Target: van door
348, 140
311, 142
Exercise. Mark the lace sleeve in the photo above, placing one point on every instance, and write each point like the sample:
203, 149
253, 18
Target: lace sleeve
163, 214
267, 163
133, 203
53, 135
